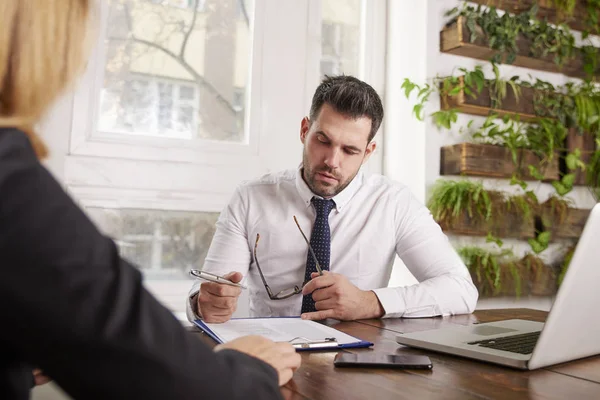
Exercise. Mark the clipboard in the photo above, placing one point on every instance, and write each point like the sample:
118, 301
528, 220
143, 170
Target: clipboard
283, 329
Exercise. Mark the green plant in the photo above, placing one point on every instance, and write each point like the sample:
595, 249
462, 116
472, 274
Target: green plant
555, 210
558, 108
503, 31
565, 185
547, 40
449, 199
485, 265
510, 134
592, 23
565, 264
526, 203
536, 271
540, 243
573, 161
565, 6
542, 137
500, 31
490, 238
593, 172
422, 96
590, 59
444, 118
471, 82
498, 88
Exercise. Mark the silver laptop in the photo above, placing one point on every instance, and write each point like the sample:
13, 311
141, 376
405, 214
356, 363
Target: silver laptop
571, 331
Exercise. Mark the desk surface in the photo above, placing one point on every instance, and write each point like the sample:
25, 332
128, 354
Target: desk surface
451, 378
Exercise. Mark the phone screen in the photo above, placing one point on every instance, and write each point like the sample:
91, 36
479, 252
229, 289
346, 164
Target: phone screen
382, 360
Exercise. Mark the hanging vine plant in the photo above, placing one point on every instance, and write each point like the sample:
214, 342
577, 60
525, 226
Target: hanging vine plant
526, 35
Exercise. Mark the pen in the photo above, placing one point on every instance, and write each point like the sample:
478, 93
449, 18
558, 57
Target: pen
207, 276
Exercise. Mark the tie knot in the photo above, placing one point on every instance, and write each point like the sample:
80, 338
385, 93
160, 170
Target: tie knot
322, 206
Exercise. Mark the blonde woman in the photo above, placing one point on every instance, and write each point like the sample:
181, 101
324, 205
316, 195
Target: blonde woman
69, 304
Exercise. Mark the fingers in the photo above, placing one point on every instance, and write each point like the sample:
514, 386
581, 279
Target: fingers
288, 361
215, 315
221, 290
318, 283
281, 356
329, 304
215, 309
235, 277
319, 315
285, 376
326, 293
225, 303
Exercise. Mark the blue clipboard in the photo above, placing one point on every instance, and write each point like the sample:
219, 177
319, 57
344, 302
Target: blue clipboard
326, 344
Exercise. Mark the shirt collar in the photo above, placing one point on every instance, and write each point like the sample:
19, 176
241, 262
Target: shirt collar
341, 199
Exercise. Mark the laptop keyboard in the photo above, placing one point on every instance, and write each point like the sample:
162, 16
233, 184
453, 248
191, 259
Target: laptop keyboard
522, 344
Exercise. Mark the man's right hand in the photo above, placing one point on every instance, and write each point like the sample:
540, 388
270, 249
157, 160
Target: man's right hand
282, 356
217, 301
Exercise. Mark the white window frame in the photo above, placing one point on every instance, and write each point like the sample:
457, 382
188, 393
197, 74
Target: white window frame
85, 140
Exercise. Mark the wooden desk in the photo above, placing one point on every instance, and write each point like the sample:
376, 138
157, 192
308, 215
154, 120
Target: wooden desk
451, 378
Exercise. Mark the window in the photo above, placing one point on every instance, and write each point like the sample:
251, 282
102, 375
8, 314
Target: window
340, 37
164, 244
153, 49
151, 106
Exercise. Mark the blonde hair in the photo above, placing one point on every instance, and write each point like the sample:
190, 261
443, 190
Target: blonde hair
42, 51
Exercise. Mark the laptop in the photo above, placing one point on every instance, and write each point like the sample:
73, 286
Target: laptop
571, 331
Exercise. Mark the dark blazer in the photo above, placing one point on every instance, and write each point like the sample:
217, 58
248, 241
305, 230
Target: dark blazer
71, 306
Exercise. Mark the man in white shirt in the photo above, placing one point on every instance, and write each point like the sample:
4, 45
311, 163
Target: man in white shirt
356, 226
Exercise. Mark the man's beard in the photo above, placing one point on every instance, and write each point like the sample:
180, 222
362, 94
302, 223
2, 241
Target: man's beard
321, 188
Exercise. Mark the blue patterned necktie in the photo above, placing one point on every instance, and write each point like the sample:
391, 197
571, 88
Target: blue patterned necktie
320, 241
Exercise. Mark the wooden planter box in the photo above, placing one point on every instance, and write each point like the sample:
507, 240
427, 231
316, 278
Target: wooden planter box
540, 282
512, 224
492, 161
455, 39
587, 144
570, 227
547, 10
481, 104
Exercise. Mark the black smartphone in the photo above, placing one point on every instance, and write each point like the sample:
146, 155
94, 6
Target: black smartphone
380, 360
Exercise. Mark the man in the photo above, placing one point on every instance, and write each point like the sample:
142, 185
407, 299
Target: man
357, 225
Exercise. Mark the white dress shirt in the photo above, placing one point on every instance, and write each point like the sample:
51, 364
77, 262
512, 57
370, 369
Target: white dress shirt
373, 220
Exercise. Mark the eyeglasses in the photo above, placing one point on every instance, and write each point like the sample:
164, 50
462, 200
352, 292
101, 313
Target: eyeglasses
286, 293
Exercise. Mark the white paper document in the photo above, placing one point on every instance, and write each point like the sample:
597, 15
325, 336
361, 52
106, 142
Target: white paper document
279, 330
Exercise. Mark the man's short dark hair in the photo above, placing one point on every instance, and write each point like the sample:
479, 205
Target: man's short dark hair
351, 97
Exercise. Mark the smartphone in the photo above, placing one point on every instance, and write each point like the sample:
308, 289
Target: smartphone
379, 360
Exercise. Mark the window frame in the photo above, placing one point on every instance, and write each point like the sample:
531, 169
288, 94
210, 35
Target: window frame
86, 141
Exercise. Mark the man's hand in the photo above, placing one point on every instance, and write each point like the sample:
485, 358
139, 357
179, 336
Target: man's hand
337, 298
217, 301
282, 356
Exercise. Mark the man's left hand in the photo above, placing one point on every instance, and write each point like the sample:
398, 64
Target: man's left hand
335, 297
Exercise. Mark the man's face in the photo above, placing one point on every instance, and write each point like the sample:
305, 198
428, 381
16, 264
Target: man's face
335, 147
